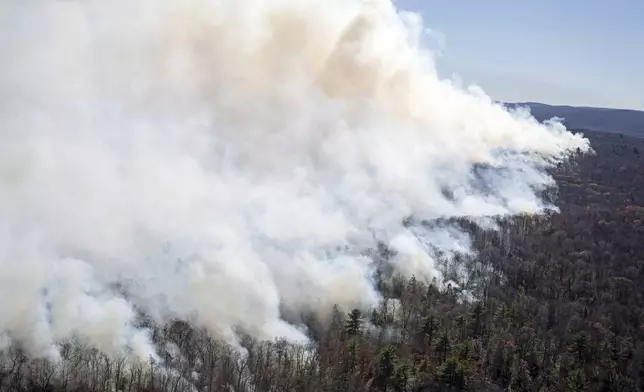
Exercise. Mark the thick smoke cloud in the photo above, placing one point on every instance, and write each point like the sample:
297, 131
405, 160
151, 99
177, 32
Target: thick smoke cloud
217, 160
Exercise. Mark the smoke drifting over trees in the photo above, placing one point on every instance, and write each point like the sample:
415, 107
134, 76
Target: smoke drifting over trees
231, 163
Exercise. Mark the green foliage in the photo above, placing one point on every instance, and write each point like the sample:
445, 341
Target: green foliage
385, 366
576, 382
476, 319
580, 346
429, 327
453, 374
521, 379
443, 346
401, 374
353, 325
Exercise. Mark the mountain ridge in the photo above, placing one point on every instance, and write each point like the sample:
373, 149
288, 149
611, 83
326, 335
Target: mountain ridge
624, 121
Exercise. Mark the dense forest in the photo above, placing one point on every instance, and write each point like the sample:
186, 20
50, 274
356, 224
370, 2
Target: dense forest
558, 307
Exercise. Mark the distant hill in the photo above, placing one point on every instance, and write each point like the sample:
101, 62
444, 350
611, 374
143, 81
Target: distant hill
627, 122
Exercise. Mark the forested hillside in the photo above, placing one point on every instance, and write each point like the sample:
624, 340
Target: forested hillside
558, 307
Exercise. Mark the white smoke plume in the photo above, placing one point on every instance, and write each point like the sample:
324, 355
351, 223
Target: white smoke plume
211, 160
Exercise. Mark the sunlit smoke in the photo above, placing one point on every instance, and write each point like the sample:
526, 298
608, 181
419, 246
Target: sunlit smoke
220, 160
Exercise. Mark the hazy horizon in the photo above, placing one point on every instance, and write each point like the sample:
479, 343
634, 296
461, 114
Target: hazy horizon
576, 53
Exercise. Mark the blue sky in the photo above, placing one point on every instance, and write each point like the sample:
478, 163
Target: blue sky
575, 52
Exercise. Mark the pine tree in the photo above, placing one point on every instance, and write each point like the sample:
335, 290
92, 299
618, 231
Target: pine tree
453, 374
576, 382
353, 325
477, 319
400, 378
430, 324
521, 379
444, 345
385, 367
580, 346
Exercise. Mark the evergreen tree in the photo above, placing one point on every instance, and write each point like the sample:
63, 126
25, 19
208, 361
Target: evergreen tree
453, 374
576, 382
385, 367
353, 325
580, 346
443, 346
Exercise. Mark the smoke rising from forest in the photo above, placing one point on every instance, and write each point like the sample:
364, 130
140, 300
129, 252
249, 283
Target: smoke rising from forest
220, 161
